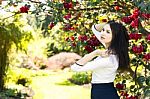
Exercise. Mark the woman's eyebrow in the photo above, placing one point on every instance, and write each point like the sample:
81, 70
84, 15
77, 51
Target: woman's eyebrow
108, 30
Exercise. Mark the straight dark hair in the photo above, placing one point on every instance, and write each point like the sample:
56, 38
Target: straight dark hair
119, 44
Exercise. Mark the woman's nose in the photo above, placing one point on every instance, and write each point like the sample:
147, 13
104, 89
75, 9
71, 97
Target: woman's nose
103, 33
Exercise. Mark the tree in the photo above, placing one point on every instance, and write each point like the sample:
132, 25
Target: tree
11, 34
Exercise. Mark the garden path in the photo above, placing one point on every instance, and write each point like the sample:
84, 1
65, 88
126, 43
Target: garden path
54, 86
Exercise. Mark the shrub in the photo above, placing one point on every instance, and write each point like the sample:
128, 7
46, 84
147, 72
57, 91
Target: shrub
80, 78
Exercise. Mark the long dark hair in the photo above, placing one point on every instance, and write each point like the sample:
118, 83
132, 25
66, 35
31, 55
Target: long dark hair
119, 44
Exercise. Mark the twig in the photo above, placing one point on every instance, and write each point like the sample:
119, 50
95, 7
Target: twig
9, 16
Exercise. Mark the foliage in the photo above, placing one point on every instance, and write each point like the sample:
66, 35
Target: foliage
8, 93
23, 76
19, 76
35, 55
15, 87
11, 34
14, 94
18, 82
80, 78
57, 42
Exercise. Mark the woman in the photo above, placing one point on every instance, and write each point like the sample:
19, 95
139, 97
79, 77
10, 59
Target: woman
114, 37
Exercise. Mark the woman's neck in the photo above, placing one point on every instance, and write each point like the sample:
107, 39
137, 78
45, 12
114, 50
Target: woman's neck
106, 46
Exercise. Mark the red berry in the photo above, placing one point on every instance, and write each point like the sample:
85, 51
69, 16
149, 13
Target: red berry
24, 9
135, 23
72, 38
120, 86
73, 44
117, 8
138, 49
88, 48
51, 25
127, 19
145, 15
82, 38
68, 5
67, 16
147, 56
148, 37
135, 36
67, 39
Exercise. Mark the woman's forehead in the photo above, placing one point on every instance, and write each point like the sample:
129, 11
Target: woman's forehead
107, 26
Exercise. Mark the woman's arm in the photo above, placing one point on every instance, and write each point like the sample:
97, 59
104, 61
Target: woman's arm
94, 64
96, 30
90, 56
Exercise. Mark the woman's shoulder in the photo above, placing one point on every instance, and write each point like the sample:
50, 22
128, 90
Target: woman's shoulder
107, 53
111, 57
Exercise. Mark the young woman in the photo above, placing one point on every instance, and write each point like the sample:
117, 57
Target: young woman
114, 37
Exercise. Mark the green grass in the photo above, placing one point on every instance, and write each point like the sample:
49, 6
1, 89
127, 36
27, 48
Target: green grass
56, 86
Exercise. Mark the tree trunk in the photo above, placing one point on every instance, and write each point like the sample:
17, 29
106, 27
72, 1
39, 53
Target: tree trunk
3, 65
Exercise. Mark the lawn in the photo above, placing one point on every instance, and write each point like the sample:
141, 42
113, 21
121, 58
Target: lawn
56, 86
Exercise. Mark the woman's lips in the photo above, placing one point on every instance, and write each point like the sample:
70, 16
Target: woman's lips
102, 37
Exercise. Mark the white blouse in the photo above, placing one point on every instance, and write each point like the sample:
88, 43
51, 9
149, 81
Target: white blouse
103, 68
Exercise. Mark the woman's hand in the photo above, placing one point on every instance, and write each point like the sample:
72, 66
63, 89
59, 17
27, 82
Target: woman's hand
99, 52
90, 56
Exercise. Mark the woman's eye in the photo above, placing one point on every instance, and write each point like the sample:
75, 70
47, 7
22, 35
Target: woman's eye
108, 31
103, 29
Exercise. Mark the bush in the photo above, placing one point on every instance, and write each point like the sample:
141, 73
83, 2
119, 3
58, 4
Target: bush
12, 94
19, 76
81, 78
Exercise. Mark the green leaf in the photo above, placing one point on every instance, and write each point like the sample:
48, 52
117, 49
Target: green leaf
124, 81
141, 80
146, 88
147, 66
147, 93
98, 0
132, 86
148, 81
49, 3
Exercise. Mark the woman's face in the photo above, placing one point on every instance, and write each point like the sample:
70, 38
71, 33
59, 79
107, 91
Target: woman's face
106, 35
